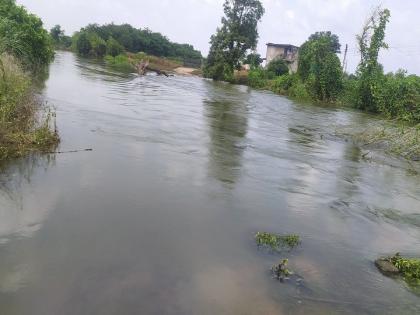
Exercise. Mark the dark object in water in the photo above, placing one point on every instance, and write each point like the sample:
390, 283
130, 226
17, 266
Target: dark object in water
386, 267
280, 270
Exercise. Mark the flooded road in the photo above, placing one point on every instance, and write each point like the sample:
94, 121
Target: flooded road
160, 217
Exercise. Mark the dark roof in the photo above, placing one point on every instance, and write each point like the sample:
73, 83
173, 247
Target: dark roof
281, 45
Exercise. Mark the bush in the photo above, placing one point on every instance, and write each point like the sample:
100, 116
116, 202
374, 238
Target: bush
290, 85
277, 67
22, 129
23, 35
399, 96
82, 44
120, 62
98, 45
258, 78
113, 48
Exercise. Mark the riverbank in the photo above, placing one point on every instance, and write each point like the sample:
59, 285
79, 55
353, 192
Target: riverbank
128, 62
396, 137
25, 125
25, 51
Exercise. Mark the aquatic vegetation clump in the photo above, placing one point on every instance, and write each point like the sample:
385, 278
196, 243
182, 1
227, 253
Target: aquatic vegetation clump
276, 242
280, 270
409, 268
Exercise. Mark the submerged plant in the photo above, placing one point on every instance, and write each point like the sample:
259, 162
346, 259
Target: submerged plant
280, 270
276, 242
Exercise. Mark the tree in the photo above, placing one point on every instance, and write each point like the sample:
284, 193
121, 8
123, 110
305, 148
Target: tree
234, 38
334, 40
370, 71
56, 33
113, 48
98, 45
277, 67
320, 68
83, 45
254, 60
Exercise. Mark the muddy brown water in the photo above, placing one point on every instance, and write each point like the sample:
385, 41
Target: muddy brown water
159, 218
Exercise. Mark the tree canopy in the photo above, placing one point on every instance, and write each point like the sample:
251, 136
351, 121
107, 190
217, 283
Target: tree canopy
237, 35
132, 40
332, 38
319, 66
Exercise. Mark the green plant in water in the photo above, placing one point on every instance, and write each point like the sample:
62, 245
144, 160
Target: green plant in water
280, 270
276, 242
408, 267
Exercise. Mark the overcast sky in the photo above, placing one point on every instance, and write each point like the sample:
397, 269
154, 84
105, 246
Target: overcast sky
285, 21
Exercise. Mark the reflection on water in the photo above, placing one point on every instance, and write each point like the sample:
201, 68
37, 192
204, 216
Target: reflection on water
228, 122
17, 218
159, 218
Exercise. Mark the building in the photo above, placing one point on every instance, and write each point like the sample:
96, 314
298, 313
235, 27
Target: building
287, 52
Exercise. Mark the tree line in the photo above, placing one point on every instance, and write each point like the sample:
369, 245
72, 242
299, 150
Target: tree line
111, 39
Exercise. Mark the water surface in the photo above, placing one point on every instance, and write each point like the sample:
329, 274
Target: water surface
159, 218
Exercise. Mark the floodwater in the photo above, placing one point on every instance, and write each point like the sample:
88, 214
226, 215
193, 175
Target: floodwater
160, 217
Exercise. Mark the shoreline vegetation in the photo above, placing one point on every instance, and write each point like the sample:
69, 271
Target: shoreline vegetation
124, 48
321, 77
26, 126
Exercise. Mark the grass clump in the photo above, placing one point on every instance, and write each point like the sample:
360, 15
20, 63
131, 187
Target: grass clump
277, 242
24, 127
398, 139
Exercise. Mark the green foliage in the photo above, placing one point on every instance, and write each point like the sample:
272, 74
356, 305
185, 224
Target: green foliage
276, 242
399, 96
113, 48
277, 67
22, 34
332, 38
83, 45
22, 128
254, 60
258, 78
408, 267
98, 45
135, 40
370, 72
120, 62
234, 38
60, 40
320, 68
56, 33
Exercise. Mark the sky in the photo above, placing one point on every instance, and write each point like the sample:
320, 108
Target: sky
285, 21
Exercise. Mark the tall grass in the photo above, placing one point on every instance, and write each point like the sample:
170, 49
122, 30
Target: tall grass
24, 125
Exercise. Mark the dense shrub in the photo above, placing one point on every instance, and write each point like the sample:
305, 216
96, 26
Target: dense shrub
277, 67
120, 62
82, 44
23, 35
257, 78
399, 96
113, 48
